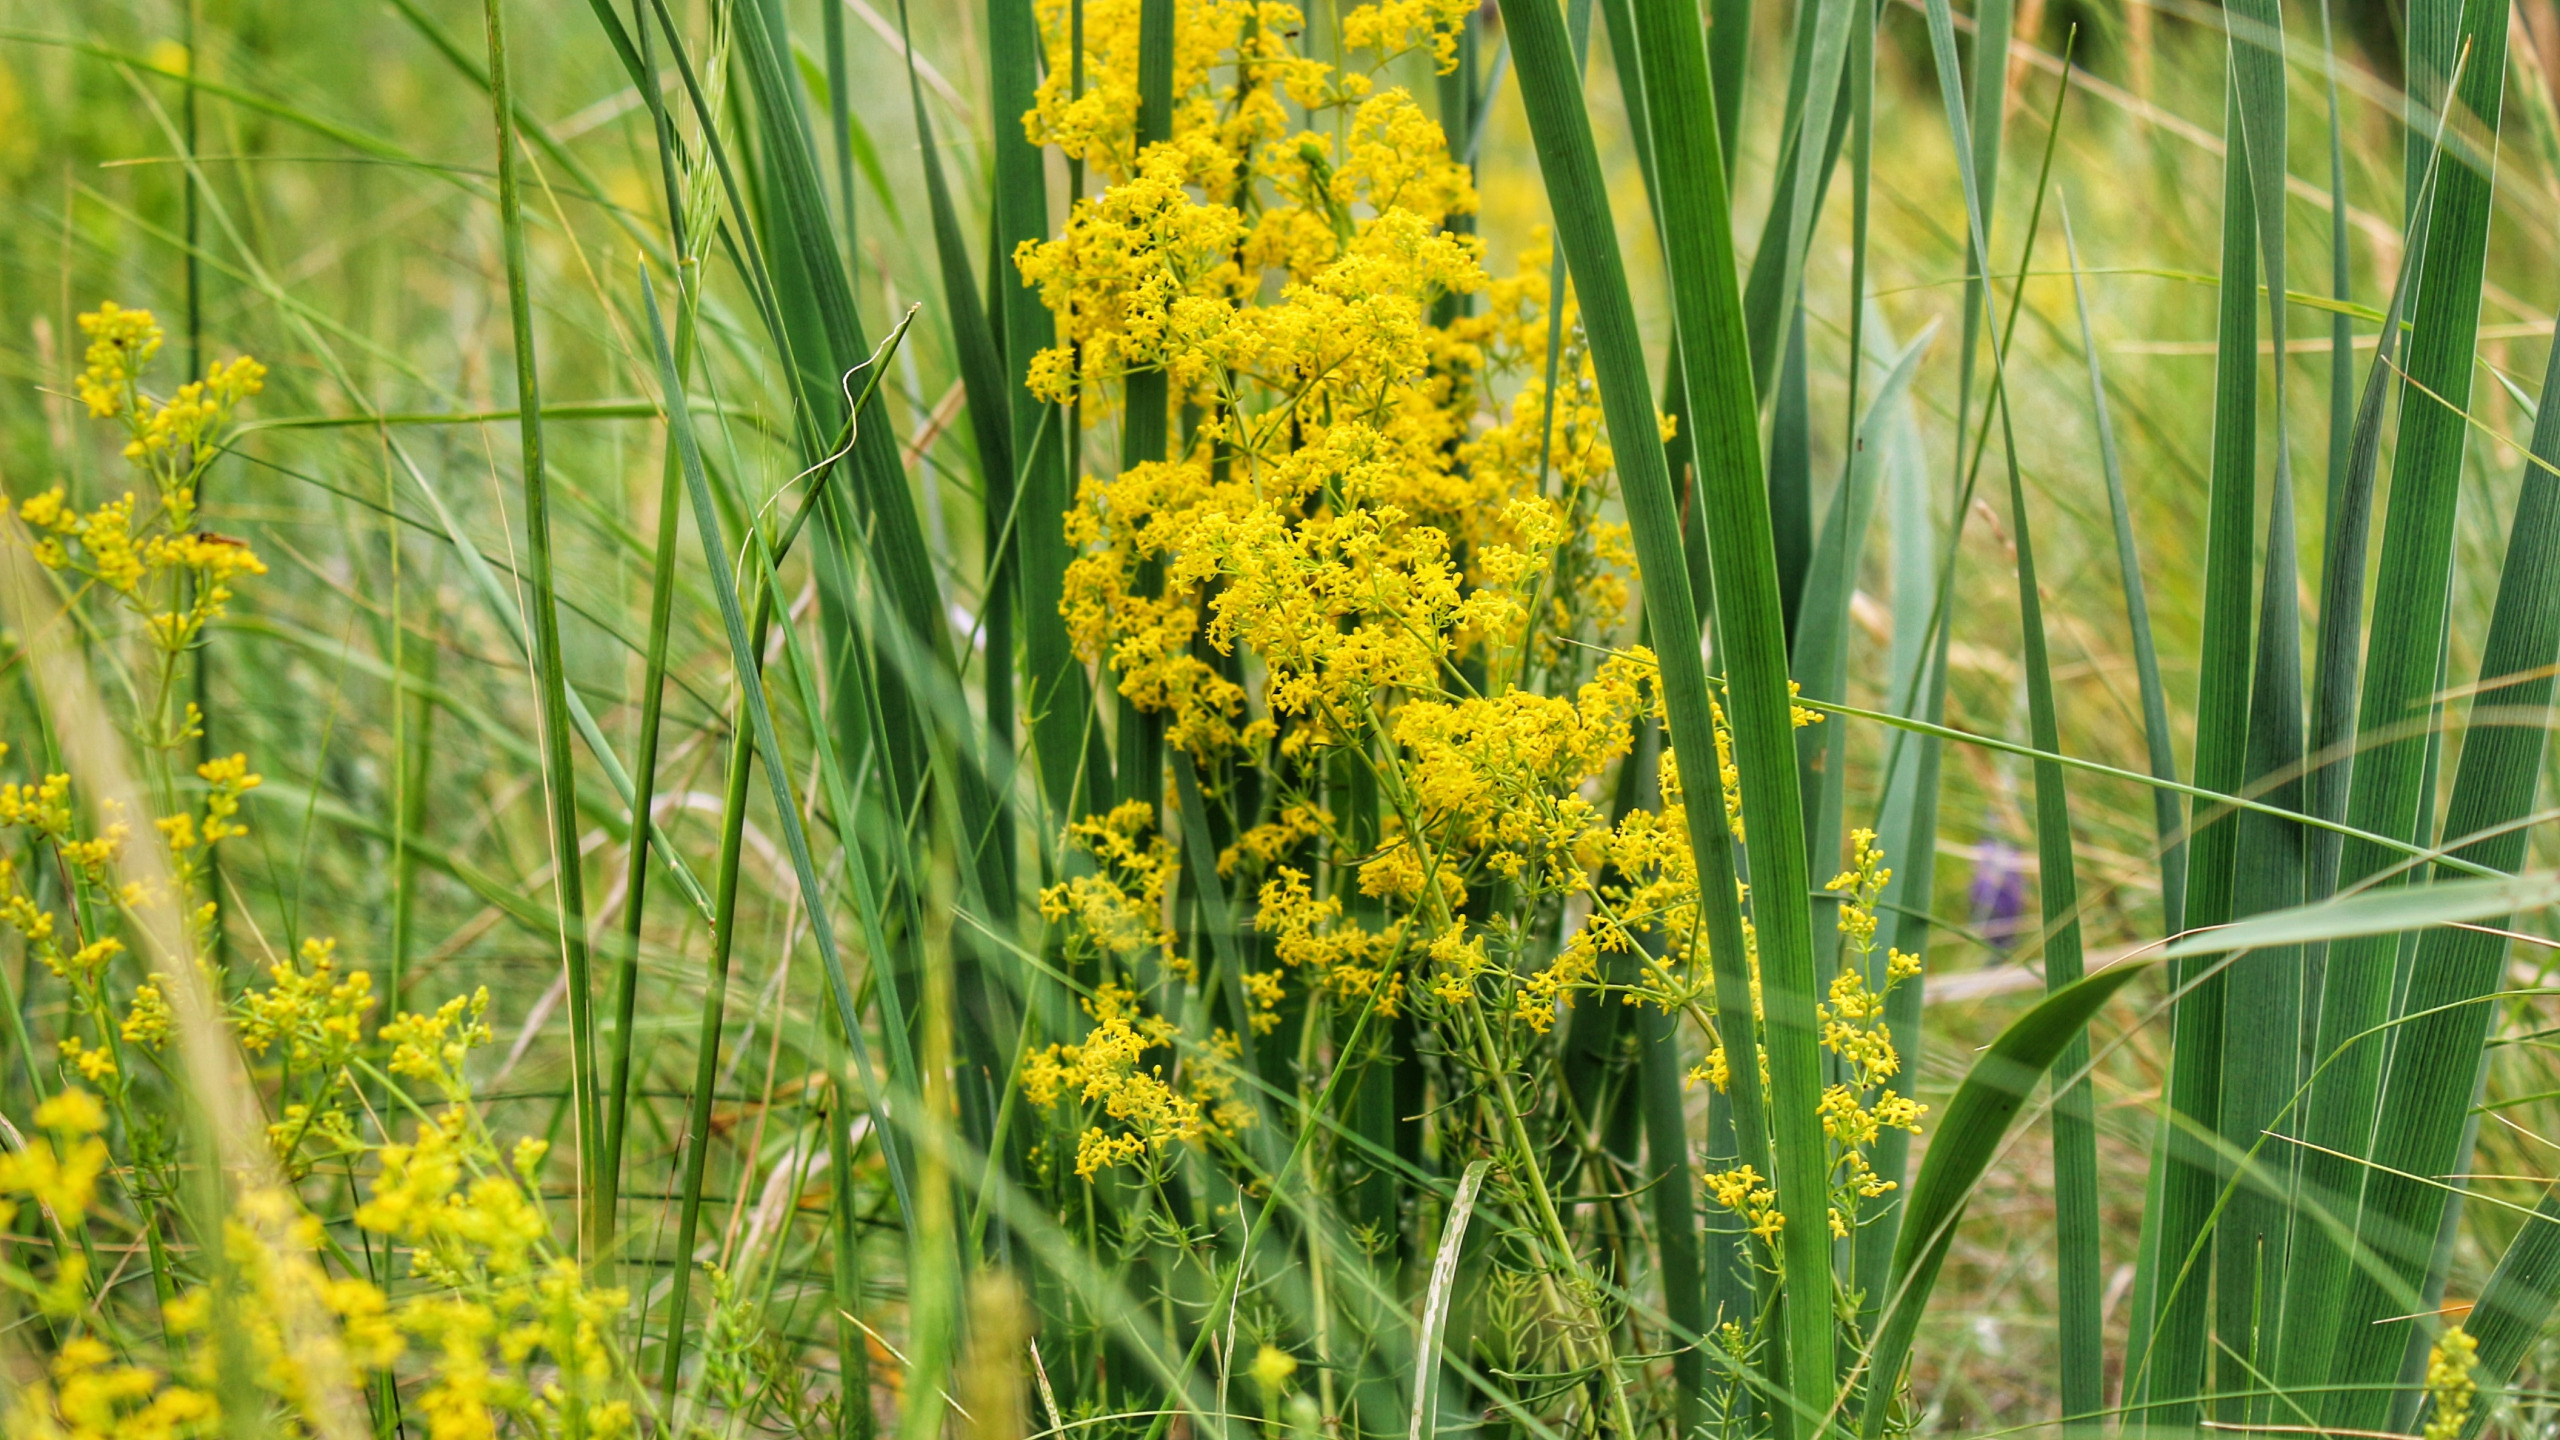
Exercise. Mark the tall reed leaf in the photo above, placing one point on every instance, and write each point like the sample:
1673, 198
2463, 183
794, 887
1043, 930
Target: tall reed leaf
2075, 1128
2400, 675
2167, 817
2346, 519
1733, 508
1967, 1139
2516, 1303
2178, 1327
2427, 1084
559, 771
767, 743
982, 376
2265, 987
1074, 770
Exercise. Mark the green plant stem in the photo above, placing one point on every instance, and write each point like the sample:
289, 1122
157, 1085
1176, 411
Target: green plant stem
559, 769
653, 687
706, 1068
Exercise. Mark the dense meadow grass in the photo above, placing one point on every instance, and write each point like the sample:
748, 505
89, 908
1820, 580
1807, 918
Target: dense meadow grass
974, 718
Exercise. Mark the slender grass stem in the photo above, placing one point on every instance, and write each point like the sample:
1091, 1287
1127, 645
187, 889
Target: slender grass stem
560, 779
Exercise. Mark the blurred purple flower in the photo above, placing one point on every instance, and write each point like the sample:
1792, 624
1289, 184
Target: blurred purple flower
1997, 897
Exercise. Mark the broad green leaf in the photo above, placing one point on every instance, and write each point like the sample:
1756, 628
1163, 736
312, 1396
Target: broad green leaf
2377, 912
1734, 508
2401, 668
1963, 1142
2426, 1085
2516, 1304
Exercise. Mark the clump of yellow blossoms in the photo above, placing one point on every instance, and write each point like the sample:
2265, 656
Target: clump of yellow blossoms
504, 1328
1108, 1069
1373, 594
75, 941
1334, 513
2452, 1383
1860, 1105
487, 1324
1120, 908
145, 547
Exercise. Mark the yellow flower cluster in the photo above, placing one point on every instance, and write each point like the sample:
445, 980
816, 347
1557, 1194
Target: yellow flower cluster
1108, 1068
315, 1014
59, 1168
1860, 1106
1247, 39
1329, 511
2452, 1385
1120, 907
492, 1329
89, 1395
121, 344
312, 1017
43, 810
1371, 589
226, 780
431, 1048
1397, 25
1745, 1193
145, 548
1343, 957
512, 1338
1857, 1108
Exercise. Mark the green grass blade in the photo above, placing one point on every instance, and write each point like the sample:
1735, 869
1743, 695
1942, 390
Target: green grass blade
2400, 671
824, 339
1660, 1077
1074, 768
1435, 1304
982, 378
2350, 525
2075, 1126
1791, 479
2260, 1080
1765, 307
1802, 182
2180, 1324
1826, 25
662, 587
2427, 1084
1862, 138
1983, 103
2347, 520
715, 1002
559, 770
1962, 1145
2378, 912
626, 981
841, 129
1907, 820
1729, 75
1821, 662
1733, 506
2516, 1303
914, 690
2166, 817
2431, 36
743, 654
